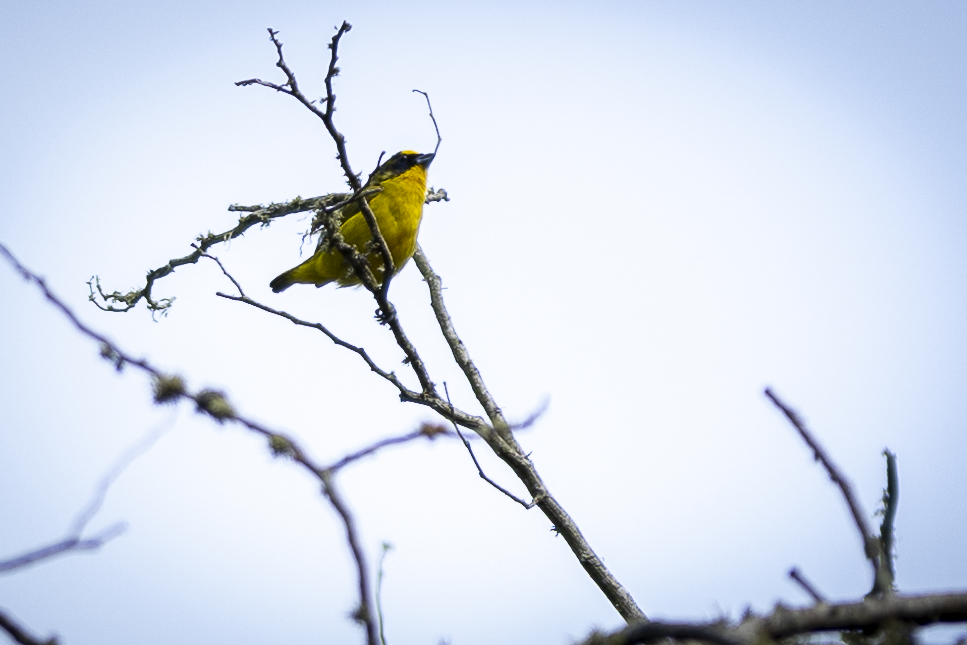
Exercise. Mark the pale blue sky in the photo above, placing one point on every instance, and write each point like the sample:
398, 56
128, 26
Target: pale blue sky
658, 209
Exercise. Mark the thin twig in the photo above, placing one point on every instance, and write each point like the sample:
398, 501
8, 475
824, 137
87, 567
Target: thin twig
337, 136
71, 544
796, 575
427, 431
294, 91
379, 591
389, 376
227, 274
870, 545
439, 139
438, 405
483, 476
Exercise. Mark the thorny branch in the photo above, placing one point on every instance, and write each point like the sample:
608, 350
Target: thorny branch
883, 580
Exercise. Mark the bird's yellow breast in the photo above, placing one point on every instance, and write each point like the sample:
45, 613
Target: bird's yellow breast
398, 208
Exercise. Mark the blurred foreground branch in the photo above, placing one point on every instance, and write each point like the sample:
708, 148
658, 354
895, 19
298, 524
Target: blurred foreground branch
19, 633
215, 404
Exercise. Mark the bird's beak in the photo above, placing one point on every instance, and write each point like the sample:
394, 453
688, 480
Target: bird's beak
424, 160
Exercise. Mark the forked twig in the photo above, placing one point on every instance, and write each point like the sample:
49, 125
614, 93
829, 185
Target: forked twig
870, 545
74, 540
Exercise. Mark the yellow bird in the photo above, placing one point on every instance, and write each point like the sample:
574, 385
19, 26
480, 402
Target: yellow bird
398, 208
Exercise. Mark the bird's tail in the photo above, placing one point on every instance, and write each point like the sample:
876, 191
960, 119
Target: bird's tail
283, 282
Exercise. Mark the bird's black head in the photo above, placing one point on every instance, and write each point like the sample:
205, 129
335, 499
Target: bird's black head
400, 163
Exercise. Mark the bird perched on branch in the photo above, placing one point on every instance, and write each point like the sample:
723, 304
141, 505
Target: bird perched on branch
398, 207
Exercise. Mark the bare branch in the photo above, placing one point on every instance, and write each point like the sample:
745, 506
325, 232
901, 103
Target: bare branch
457, 348
262, 216
337, 136
505, 446
227, 274
215, 404
439, 139
870, 545
647, 633
435, 403
330, 100
389, 376
783, 622
919, 610
363, 613
70, 544
74, 540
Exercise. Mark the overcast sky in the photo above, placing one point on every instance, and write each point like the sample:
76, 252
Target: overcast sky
658, 209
